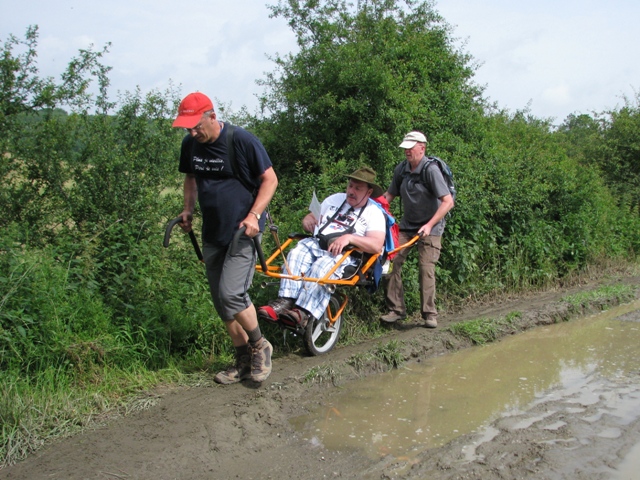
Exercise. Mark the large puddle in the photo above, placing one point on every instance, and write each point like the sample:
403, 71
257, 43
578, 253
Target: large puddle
427, 405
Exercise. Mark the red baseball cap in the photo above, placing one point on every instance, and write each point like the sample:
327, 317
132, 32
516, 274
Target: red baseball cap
191, 109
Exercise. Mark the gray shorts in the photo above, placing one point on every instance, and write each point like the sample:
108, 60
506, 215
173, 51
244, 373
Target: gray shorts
230, 276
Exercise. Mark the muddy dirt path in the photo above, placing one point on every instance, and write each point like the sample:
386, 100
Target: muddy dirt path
239, 431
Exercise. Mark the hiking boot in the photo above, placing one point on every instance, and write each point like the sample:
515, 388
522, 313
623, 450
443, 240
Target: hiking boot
271, 311
261, 360
296, 317
235, 373
392, 317
430, 322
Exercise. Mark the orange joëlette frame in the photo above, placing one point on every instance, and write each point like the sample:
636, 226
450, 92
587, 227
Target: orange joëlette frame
275, 271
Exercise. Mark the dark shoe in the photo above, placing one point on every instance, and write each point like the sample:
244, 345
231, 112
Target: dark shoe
236, 373
296, 317
271, 312
392, 317
261, 360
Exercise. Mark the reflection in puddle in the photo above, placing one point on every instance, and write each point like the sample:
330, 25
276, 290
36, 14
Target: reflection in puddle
427, 405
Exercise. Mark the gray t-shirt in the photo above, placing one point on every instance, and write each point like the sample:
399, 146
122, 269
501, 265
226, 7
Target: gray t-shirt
419, 201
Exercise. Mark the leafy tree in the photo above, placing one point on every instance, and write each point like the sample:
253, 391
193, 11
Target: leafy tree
361, 79
619, 153
611, 141
581, 133
36, 148
23, 91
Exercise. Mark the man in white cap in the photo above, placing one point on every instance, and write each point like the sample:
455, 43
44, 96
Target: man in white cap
231, 195
426, 199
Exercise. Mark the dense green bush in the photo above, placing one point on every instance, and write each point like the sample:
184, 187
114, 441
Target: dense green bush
87, 194
611, 142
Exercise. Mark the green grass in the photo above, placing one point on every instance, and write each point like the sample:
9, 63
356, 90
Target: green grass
389, 354
383, 356
360, 319
34, 411
483, 330
322, 374
360, 360
607, 293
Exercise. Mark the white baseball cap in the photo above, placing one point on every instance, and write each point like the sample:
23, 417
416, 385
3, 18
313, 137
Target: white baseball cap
411, 138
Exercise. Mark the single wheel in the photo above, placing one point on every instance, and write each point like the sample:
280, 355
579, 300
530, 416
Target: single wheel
319, 336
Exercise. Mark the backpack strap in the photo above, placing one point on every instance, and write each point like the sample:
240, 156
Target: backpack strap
423, 173
337, 212
402, 176
406, 172
231, 152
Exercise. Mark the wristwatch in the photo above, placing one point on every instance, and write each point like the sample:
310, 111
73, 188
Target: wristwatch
256, 214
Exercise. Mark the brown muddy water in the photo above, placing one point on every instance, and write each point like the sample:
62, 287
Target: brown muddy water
426, 405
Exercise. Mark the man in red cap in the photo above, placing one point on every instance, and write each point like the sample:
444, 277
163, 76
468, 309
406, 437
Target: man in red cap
231, 194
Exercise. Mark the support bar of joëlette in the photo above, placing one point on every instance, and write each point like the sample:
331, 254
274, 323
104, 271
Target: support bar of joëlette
274, 271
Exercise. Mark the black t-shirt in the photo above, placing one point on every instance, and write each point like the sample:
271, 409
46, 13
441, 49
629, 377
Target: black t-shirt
224, 200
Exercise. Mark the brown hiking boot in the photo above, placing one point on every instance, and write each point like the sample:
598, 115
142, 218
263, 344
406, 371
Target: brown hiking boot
261, 360
270, 312
392, 317
296, 317
430, 322
235, 373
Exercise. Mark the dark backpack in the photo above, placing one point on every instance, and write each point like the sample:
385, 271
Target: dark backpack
447, 174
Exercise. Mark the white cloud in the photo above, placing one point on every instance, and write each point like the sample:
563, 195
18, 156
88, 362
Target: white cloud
557, 95
563, 56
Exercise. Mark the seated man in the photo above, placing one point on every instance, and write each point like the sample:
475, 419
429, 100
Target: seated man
345, 219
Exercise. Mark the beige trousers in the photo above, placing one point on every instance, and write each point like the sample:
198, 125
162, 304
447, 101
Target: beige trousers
428, 253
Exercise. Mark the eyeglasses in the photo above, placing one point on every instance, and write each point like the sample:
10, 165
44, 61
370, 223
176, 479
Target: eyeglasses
197, 128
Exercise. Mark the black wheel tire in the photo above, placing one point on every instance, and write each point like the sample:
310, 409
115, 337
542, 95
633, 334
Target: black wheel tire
319, 338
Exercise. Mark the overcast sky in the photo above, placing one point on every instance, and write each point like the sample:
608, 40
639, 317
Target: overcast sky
556, 57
